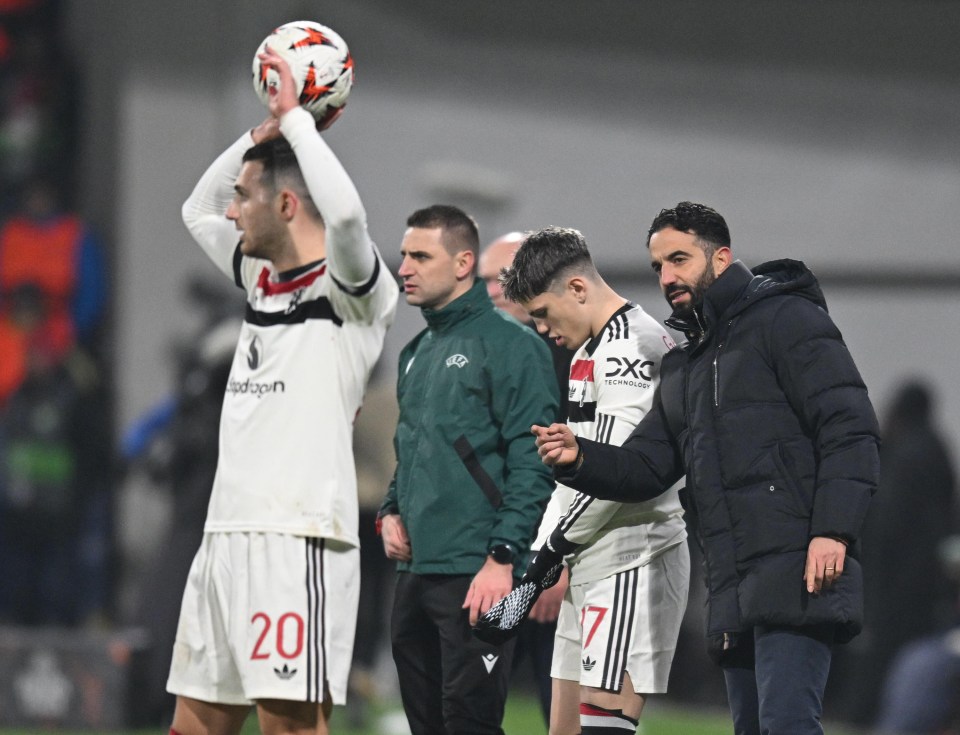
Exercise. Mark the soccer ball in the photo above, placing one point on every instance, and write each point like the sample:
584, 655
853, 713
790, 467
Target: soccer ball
320, 61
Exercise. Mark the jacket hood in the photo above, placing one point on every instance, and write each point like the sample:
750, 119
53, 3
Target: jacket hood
788, 276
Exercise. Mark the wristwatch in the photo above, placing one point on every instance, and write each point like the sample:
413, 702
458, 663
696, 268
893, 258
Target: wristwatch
503, 554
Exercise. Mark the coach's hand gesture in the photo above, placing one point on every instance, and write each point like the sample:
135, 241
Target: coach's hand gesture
556, 444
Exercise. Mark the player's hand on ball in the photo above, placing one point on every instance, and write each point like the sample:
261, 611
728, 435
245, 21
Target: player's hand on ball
283, 97
321, 67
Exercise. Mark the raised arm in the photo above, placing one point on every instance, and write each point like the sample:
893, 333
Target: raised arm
205, 209
350, 251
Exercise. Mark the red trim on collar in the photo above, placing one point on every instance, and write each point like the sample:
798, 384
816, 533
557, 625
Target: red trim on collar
271, 288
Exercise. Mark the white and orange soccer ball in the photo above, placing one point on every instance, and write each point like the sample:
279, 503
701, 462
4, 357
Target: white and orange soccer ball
320, 61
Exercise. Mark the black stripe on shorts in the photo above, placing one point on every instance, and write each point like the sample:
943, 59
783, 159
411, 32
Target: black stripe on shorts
621, 629
316, 602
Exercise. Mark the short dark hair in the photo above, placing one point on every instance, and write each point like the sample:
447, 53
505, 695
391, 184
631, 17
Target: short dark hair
697, 219
545, 257
281, 169
460, 230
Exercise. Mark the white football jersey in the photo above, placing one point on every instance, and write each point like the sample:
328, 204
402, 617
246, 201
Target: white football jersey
308, 343
613, 378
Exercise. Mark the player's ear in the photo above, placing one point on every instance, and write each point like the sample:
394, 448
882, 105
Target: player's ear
578, 287
288, 204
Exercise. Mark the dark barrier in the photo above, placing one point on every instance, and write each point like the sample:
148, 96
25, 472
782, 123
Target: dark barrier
76, 679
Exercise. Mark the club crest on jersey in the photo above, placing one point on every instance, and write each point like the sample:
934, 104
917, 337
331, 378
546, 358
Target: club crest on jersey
254, 353
457, 360
295, 298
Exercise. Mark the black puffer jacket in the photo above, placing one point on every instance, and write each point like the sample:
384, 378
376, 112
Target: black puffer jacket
765, 412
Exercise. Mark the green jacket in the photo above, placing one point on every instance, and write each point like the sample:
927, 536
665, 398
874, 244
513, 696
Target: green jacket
468, 474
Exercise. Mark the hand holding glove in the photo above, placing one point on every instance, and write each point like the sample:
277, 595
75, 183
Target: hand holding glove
501, 622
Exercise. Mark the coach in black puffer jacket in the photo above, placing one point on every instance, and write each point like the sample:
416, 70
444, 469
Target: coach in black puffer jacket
766, 413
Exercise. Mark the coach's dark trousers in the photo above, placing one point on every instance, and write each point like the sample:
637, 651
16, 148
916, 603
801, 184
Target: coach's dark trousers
450, 682
775, 684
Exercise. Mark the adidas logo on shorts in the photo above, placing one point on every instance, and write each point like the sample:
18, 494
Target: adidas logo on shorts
588, 664
285, 673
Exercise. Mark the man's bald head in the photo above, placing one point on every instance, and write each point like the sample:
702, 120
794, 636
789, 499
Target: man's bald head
494, 258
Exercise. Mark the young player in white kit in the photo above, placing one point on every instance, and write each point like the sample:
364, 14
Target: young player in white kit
269, 610
629, 565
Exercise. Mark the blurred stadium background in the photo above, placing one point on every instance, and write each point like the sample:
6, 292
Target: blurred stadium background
826, 131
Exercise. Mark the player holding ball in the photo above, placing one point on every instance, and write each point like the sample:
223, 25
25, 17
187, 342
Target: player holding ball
277, 213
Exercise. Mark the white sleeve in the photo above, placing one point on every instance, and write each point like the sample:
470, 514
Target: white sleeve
350, 252
204, 212
584, 518
559, 502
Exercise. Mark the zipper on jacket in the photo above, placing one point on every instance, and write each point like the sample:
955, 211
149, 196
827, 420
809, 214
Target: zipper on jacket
700, 325
716, 376
716, 372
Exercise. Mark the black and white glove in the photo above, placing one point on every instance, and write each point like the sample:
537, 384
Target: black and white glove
501, 622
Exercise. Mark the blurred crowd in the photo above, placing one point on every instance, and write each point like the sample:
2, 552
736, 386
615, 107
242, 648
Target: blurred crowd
60, 471
902, 674
54, 412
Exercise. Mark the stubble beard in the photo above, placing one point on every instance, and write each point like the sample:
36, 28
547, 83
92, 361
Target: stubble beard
696, 292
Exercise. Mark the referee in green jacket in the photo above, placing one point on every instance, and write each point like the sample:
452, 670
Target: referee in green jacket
469, 487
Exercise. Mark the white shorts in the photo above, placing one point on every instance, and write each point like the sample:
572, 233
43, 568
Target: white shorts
267, 616
625, 623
